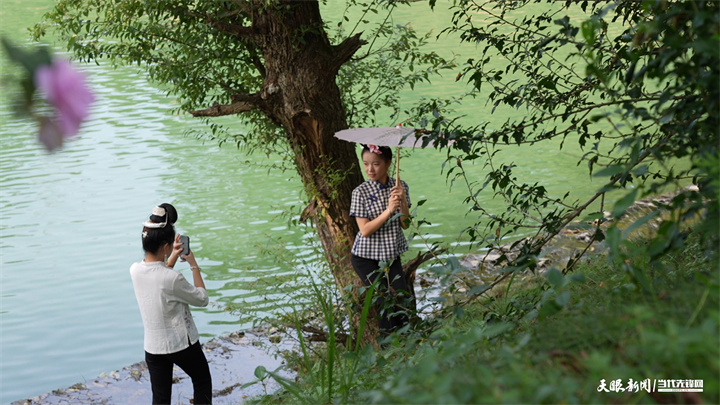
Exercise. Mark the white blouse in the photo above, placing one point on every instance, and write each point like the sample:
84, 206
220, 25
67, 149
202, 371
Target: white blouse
164, 296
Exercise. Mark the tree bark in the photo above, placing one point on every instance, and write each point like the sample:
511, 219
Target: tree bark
300, 94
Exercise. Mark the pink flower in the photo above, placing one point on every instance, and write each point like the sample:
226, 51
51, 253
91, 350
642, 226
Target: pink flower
50, 135
374, 149
65, 89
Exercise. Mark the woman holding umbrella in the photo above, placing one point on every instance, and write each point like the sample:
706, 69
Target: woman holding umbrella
375, 205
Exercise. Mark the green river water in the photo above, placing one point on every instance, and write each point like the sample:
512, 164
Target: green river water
70, 221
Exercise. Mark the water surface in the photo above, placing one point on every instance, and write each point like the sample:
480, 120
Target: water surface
70, 221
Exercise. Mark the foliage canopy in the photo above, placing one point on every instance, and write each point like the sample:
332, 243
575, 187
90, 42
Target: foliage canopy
634, 83
191, 48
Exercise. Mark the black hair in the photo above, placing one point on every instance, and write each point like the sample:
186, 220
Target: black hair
385, 152
171, 212
155, 238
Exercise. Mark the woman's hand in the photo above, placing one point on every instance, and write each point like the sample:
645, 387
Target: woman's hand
398, 190
397, 197
393, 204
175, 253
190, 258
197, 277
398, 200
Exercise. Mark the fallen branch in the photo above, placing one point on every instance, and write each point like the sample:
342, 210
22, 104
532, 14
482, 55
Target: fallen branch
319, 335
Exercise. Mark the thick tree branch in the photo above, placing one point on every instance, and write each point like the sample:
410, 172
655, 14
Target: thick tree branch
241, 103
412, 265
345, 50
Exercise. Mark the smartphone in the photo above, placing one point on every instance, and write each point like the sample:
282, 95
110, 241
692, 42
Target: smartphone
185, 240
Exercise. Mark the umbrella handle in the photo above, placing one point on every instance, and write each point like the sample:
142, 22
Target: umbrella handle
397, 166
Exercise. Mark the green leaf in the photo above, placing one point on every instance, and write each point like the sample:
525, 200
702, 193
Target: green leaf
250, 384
614, 237
640, 222
588, 31
563, 298
624, 203
454, 264
594, 216
666, 118
610, 171
30, 60
640, 170
548, 308
555, 278
479, 289
260, 372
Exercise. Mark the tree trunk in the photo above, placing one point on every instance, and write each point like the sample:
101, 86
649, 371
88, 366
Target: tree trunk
302, 96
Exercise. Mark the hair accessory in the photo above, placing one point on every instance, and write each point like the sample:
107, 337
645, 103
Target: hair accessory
158, 212
374, 149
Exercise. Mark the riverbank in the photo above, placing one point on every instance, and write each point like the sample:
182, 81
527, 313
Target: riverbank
599, 335
232, 359
595, 336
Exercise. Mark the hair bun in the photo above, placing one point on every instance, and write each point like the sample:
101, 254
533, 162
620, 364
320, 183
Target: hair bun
161, 216
172, 215
157, 219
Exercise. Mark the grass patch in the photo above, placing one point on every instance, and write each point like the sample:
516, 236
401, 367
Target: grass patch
597, 336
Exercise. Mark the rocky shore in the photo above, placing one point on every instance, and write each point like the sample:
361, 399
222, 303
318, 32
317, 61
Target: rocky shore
232, 358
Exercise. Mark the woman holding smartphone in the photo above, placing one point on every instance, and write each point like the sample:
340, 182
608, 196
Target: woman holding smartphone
375, 205
164, 297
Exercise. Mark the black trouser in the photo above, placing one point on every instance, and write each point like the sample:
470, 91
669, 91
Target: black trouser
192, 360
392, 286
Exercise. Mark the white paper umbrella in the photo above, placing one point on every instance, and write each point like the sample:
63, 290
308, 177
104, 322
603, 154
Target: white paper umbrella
384, 136
380, 136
